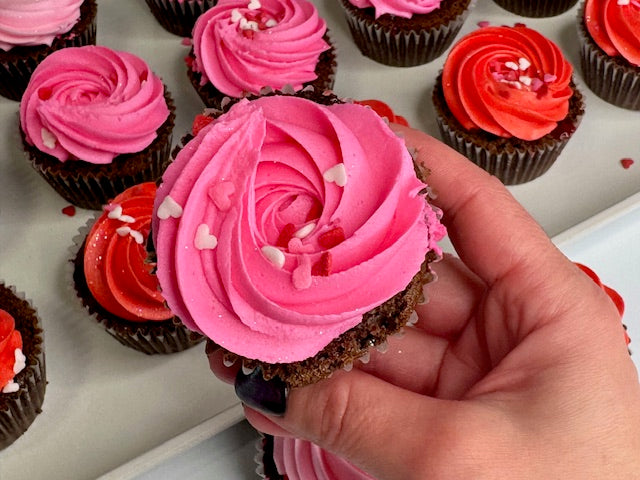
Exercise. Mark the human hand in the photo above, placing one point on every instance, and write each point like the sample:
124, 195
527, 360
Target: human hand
517, 368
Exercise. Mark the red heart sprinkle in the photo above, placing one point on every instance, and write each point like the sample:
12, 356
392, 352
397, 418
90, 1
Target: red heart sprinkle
69, 210
200, 122
314, 212
45, 93
626, 162
285, 235
322, 268
331, 238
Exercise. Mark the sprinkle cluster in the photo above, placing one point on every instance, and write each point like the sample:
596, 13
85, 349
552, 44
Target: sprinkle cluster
519, 74
252, 21
115, 213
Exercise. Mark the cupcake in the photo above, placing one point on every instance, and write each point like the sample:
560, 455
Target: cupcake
384, 110
294, 235
537, 9
288, 458
609, 32
32, 29
95, 121
179, 16
405, 33
22, 365
241, 47
116, 283
506, 99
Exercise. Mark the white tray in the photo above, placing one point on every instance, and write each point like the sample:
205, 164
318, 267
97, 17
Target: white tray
107, 405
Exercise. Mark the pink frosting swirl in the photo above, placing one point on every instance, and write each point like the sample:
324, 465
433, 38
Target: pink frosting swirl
92, 103
303, 460
282, 222
244, 46
615, 26
508, 81
400, 8
35, 22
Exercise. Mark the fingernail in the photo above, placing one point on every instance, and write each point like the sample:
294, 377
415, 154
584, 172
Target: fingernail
266, 396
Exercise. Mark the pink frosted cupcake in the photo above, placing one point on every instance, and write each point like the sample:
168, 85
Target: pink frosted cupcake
95, 121
537, 8
300, 232
32, 29
609, 32
179, 16
241, 47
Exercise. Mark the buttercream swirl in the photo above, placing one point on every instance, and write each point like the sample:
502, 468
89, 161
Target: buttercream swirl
92, 103
399, 8
242, 47
35, 22
615, 26
12, 360
115, 258
302, 460
282, 222
508, 81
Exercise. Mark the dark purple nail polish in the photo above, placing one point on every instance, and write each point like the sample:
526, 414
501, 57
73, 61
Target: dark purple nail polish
267, 396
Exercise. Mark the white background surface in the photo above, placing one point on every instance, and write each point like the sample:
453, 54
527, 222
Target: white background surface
106, 404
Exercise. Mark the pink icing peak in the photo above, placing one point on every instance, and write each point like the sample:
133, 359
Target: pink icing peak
400, 8
279, 286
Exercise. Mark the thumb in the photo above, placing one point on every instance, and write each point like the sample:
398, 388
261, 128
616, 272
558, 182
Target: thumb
383, 429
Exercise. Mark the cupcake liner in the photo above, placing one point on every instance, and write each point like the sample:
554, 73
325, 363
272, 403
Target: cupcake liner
153, 337
18, 410
613, 79
214, 98
265, 465
536, 8
19, 63
513, 161
91, 186
179, 18
402, 42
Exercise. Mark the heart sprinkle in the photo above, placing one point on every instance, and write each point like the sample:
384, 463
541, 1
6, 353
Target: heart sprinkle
336, 174
169, 208
204, 240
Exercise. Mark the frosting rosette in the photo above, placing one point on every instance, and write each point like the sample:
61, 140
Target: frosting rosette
242, 47
302, 460
508, 81
12, 360
284, 221
116, 268
35, 22
92, 103
400, 8
615, 26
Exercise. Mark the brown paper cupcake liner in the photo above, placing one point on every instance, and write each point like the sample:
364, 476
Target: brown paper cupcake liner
265, 464
179, 18
537, 8
613, 79
154, 337
402, 42
18, 410
19, 63
512, 160
91, 186
214, 98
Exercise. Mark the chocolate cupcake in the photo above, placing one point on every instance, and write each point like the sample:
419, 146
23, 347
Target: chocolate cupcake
506, 100
413, 34
255, 219
59, 24
115, 281
537, 8
243, 47
93, 132
22, 365
179, 16
610, 50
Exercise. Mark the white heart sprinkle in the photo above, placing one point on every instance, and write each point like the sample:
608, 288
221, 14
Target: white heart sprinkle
523, 63
305, 231
48, 138
137, 236
274, 255
511, 65
115, 212
127, 219
204, 240
336, 174
122, 231
169, 208
236, 15
524, 80
254, 4
248, 24
20, 361
272, 22
11, 387
624, 2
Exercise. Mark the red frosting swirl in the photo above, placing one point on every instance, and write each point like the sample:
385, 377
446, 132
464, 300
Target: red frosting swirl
10, 341
115, 259
615, 26
508, 81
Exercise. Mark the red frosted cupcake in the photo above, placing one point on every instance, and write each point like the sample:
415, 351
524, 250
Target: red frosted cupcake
609, 32
537, 8
22, 365
179, 16
241, 47
506, 100
116, 282
30, 30
95, 121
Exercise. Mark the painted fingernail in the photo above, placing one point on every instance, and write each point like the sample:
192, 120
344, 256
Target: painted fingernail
267, 396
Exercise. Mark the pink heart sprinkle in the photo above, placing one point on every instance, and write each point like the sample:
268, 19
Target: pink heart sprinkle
221, 194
